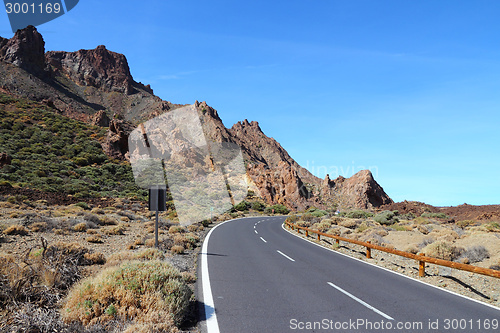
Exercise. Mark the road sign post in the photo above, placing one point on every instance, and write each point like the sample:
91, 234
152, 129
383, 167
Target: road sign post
158, 203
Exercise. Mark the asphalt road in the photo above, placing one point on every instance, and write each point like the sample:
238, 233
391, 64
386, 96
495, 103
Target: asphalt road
261, 278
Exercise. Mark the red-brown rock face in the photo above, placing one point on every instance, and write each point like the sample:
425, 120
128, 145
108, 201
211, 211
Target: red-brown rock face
98, 68
25, 50
358, 191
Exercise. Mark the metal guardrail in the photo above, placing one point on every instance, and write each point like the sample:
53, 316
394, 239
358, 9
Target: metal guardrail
418, 257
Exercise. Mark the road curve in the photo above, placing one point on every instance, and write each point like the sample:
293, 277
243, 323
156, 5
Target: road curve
260, 278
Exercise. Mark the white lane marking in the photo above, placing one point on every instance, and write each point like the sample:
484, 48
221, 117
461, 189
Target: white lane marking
390, 271
361, 302
254, 226
263, 240
210, 315
284, 255
256, 232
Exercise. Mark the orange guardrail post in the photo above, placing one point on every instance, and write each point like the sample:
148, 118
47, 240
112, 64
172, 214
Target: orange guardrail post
368, 252
421, 269
307, 233
319, 237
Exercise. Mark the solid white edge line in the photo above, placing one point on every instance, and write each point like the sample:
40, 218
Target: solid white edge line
284, 255
263, 240
361, 301
397, 273
208, 300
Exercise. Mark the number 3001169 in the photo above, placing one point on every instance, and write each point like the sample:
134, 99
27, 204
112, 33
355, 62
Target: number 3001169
26, 8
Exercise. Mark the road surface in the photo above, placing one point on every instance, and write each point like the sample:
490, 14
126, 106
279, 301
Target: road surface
261, 278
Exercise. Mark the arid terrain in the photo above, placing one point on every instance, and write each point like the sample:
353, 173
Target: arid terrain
432, 232
76, 236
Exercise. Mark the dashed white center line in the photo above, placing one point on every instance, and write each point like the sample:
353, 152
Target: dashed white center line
263, 240
360, 301
284, 255
256, 232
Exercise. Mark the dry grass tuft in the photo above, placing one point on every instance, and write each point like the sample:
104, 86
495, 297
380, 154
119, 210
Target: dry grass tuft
95, 258
16, 230
106, 220
176, 229
177, 249
94, 239
443, 250
80, 227
39, 226
147, 293
115, 230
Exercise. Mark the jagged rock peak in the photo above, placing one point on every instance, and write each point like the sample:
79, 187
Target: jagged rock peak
25, 50
98, 68
362, 190
246, 125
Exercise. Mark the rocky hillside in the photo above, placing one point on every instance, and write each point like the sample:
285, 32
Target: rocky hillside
96, 87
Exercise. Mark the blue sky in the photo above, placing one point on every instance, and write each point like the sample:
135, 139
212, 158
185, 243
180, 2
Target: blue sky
409, 89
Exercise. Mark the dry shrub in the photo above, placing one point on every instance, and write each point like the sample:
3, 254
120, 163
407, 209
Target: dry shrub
445, 235
152, 293
40, 279
474, 254
334, 231
16, 230
95, 258
14, 215
187, 241
176, 229
147, 254
106, 220
423, 229
192, 228
443, 250
412, 249
177, 249
139, 241
115, 230
149, 224
426, 241
39, 226
188, 277
99, 211
150, 242
124, 219
465, 223
60, 231
80, 227
92, 231
349, 223
94, 239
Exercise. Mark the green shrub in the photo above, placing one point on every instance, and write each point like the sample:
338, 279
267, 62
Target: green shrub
435, 215
151, 292
258, 206
83, 205
358, 214
386, 217
319, 213
407, 216
278, 209
242, 206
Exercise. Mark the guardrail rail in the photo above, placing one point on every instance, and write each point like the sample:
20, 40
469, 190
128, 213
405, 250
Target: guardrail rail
421, 259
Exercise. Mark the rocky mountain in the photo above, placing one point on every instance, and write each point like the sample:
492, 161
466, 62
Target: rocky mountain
96, 86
